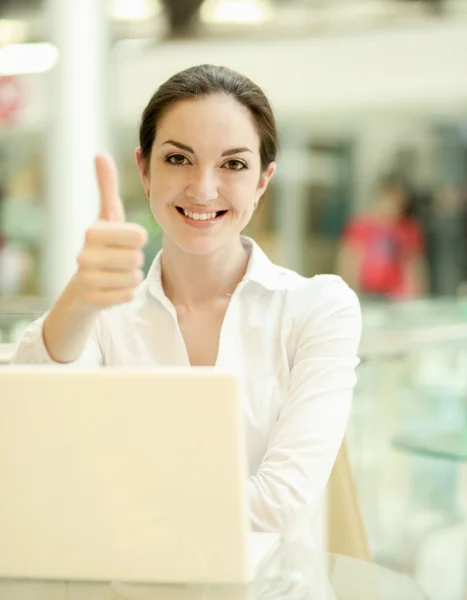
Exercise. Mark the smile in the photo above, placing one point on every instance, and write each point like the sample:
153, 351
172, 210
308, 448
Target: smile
197, 216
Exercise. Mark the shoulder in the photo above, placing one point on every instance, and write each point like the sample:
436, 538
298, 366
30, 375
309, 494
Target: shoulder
359, 222
324, 307
412, 227
318, 295
358, 229
321, 295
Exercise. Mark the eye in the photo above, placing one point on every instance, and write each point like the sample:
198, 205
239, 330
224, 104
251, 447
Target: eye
177, 159
235, 165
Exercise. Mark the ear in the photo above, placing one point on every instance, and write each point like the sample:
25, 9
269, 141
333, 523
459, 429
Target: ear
264, 180
143, 171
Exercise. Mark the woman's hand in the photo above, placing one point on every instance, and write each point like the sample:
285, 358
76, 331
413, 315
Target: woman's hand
109, 265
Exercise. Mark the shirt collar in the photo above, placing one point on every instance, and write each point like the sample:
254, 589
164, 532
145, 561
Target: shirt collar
259, 270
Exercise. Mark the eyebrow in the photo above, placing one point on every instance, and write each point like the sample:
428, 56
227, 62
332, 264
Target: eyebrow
191, 151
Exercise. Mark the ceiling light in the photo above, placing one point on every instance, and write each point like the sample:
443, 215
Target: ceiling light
135, 10
16, 59
235, 11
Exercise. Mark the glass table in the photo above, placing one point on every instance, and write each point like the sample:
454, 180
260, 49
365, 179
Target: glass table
292, 573
450, 445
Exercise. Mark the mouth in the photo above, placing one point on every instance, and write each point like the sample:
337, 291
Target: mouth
195, 216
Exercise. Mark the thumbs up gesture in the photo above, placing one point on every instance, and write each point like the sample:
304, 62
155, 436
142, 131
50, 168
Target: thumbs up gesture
111, 259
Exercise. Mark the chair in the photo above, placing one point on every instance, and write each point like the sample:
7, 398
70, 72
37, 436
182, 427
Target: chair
346, 530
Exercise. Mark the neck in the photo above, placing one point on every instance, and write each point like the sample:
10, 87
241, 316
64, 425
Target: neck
192, 280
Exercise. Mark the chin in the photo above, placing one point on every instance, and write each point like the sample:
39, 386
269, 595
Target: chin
199, 245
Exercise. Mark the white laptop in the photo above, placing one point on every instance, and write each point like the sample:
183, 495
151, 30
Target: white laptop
125, 474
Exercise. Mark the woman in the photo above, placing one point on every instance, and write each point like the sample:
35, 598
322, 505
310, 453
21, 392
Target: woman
382, 252
207, 153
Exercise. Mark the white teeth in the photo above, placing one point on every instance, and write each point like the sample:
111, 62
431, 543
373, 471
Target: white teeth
199, 216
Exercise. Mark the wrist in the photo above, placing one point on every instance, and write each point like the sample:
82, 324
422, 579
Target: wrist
74, 300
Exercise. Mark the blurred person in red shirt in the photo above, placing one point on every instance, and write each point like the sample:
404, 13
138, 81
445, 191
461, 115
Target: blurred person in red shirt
382, 253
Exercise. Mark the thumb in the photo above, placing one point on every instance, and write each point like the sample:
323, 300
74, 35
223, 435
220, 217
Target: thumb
111, 207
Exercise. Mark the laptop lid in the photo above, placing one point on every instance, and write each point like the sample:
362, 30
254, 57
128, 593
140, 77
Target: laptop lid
130, 474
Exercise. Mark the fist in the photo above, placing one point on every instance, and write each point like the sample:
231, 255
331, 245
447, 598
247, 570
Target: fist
109, 265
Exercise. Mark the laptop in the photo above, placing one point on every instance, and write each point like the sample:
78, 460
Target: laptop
126, 474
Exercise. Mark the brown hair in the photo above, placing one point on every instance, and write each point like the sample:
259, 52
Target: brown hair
204, 80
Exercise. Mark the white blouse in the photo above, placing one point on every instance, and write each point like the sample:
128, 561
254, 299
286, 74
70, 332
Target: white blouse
293, 343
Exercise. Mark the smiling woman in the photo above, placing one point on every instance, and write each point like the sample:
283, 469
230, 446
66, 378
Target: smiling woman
208, 145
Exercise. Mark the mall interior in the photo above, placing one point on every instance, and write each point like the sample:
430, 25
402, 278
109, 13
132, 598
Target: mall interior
371, 102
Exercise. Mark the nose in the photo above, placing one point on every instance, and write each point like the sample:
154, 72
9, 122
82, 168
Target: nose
202, 186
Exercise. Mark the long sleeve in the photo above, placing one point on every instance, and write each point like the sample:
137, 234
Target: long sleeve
32, 350
288, 488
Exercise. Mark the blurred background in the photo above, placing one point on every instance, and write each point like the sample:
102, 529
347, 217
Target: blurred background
371, 101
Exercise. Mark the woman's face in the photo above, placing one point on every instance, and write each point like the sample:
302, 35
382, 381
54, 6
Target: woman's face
391, 204
204, 178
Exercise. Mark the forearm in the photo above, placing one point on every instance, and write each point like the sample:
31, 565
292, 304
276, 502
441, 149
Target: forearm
68, 326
